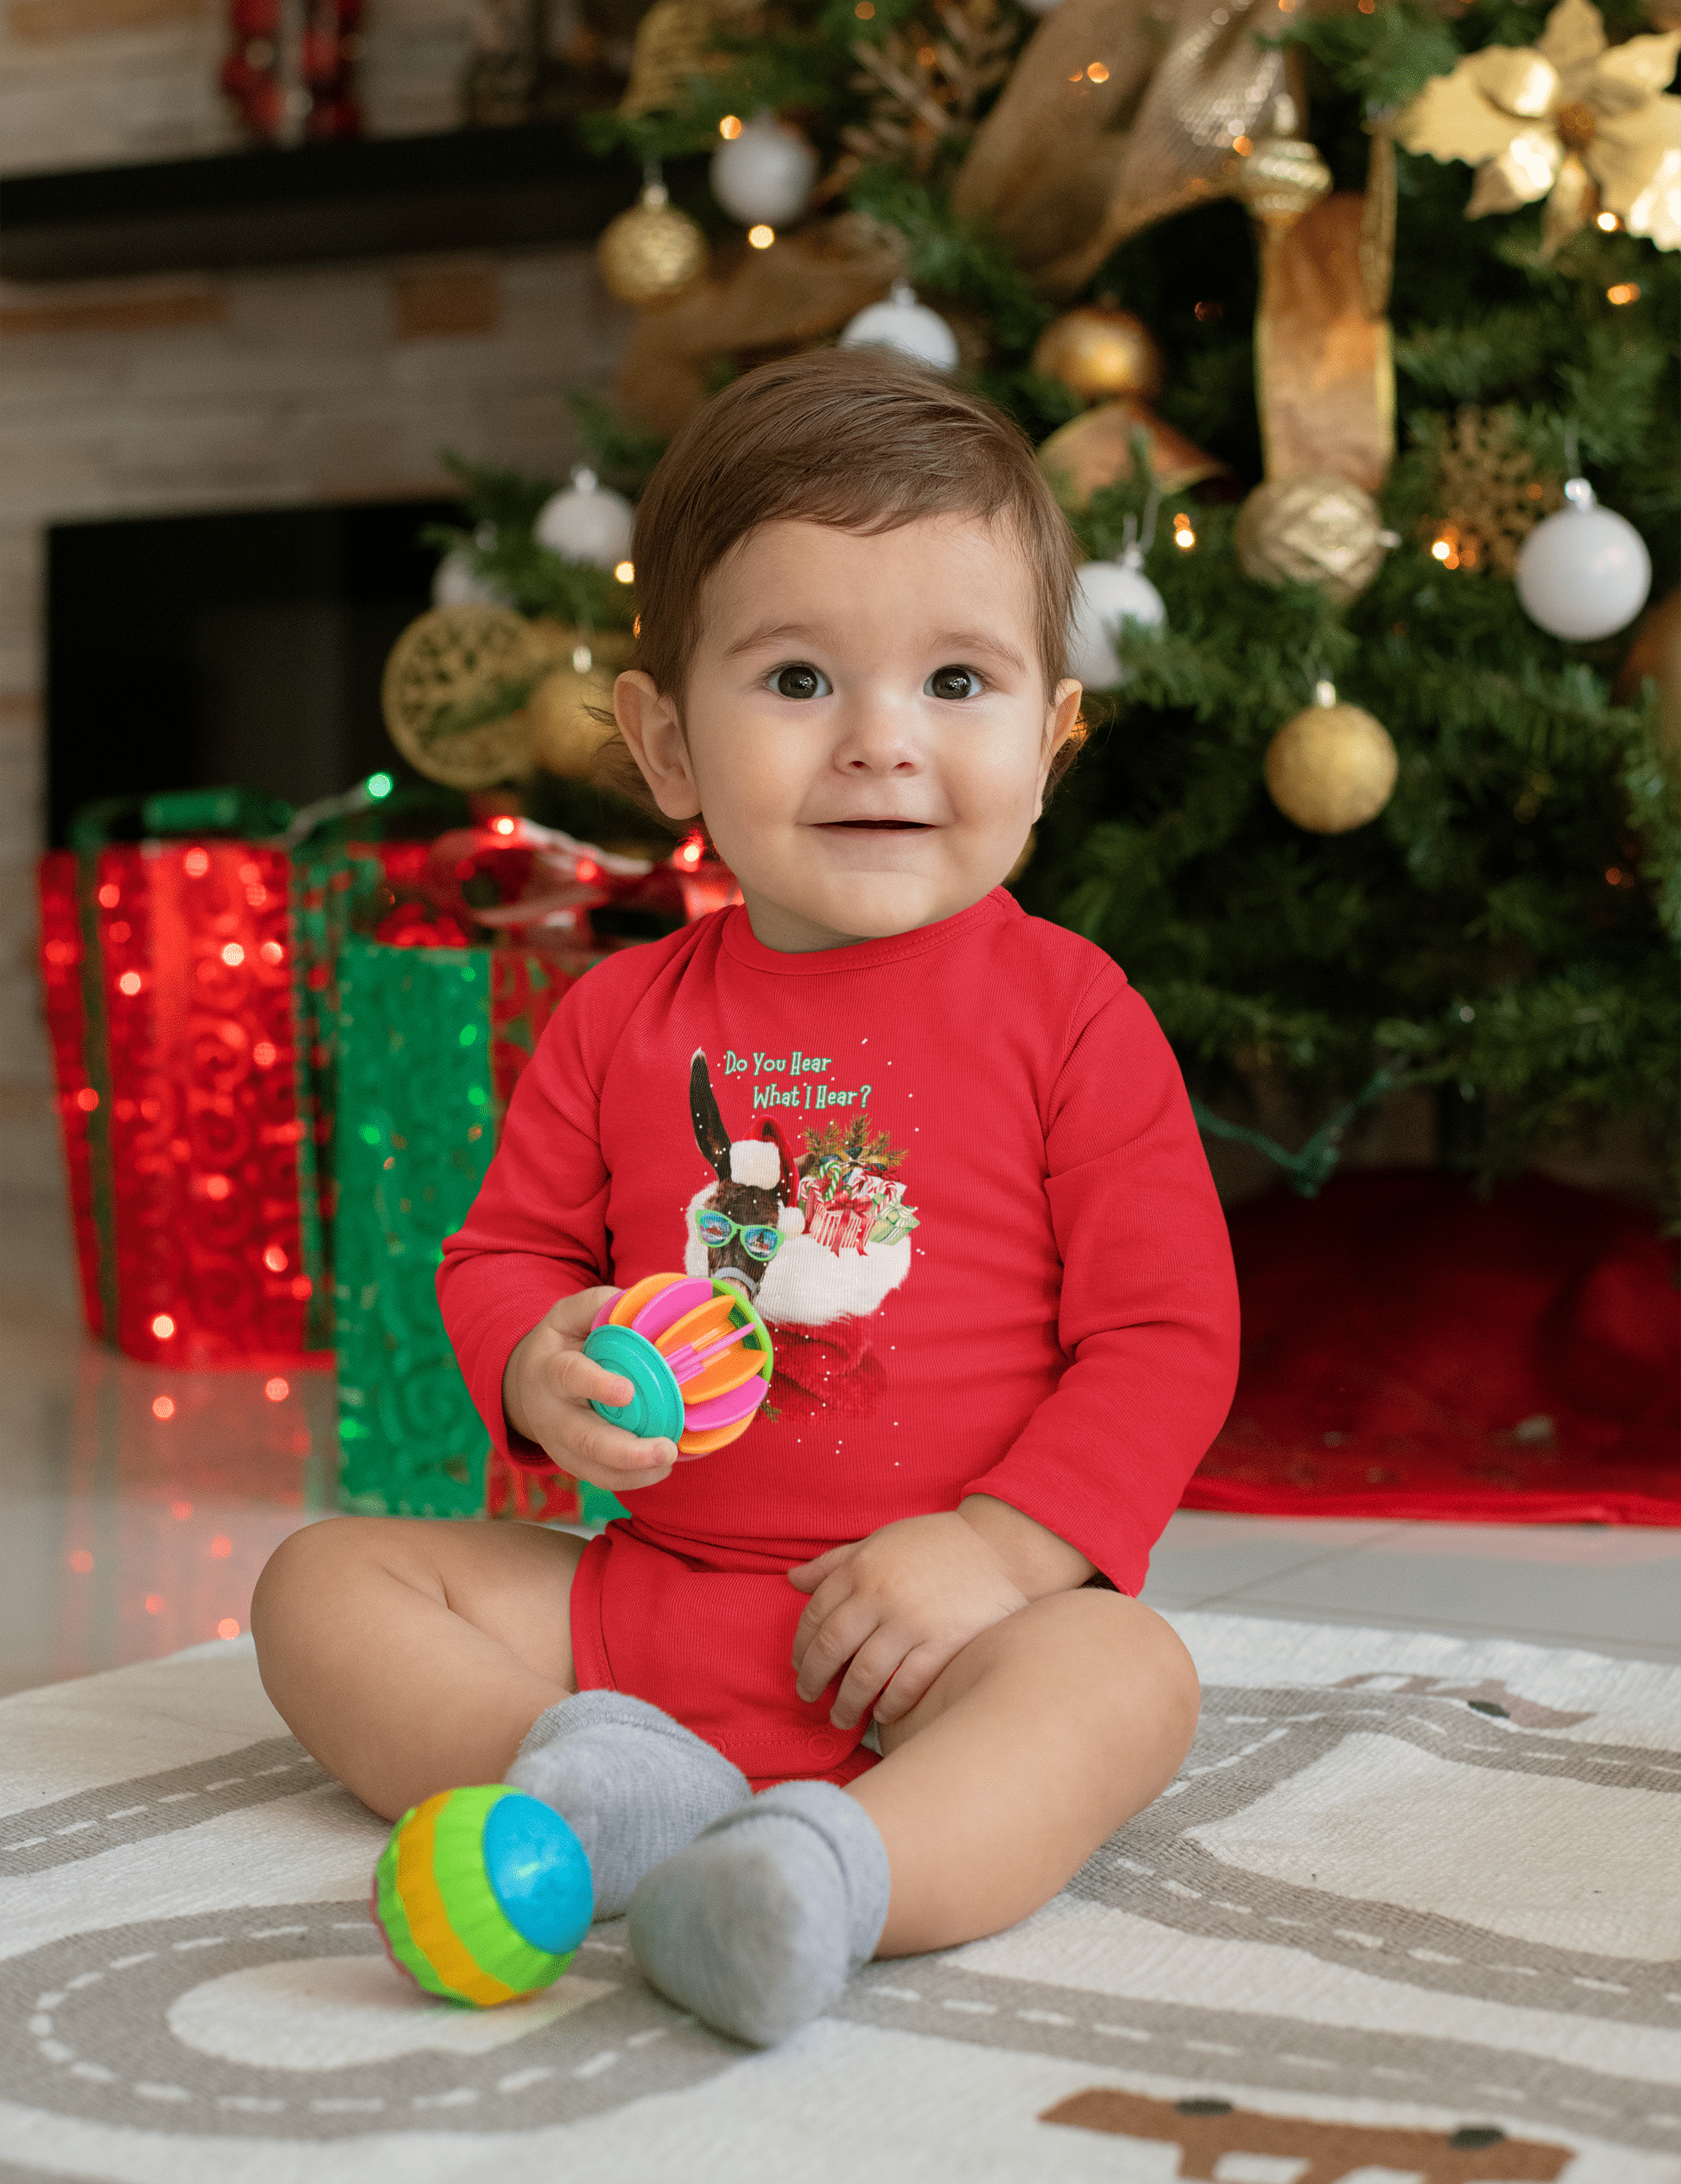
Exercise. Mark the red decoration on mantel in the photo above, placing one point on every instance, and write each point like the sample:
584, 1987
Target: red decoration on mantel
187, 1187
291, 71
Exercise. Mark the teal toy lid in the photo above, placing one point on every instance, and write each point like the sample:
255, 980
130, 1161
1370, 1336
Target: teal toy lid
655, 1411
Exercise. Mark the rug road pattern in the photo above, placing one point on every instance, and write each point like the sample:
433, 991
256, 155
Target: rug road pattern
119, 2026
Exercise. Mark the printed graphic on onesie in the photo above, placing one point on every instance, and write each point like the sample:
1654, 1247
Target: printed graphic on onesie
816, 1239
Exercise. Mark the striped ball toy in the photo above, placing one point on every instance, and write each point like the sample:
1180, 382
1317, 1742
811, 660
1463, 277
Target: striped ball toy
482, 1895
696, 1353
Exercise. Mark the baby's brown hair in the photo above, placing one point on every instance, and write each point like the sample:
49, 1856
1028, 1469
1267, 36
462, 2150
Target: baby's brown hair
858, 438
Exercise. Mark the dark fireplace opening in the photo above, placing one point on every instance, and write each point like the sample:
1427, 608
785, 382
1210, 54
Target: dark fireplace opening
241, 648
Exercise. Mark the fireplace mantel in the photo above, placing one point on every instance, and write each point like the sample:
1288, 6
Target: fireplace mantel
370, 198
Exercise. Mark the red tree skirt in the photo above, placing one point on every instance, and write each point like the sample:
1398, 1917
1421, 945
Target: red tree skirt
1410, 1351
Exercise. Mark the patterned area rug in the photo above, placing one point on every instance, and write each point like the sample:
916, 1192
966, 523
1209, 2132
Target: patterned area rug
1410, 1912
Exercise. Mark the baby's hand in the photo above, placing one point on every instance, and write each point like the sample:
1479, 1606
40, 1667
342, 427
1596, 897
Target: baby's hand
548, 1385
898, 1606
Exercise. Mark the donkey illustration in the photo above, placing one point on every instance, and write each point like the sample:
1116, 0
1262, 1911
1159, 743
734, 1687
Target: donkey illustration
754, 1207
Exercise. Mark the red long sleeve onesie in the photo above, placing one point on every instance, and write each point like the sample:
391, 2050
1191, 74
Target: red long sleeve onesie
999, 1268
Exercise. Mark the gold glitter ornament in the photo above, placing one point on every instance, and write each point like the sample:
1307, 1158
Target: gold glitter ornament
1283, 177
1099, 352
1316, 529
652, 253
565, 733
1488, 494
1332, 768
454, 687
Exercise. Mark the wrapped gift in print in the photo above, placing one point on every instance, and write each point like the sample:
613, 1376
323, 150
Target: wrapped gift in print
431, 1039
193, 1173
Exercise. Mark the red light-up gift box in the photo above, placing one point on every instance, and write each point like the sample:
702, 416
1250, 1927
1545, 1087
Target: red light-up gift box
168, 972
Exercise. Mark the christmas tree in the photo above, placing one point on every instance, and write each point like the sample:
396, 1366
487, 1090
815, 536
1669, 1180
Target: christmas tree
1316, 315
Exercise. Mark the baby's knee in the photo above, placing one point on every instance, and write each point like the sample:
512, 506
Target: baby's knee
1133, 1655
316, 1559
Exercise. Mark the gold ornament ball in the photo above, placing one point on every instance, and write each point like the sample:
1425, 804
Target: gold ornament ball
651, 253
1331, 769
1314, 529
454, 686
565, 733
1100, 353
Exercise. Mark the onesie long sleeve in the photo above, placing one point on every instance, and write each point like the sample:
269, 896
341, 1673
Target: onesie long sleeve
963, 1185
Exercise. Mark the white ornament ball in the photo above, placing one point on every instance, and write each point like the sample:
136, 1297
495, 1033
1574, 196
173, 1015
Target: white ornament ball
767, 172
904, 323
1110, 593
457, 583
586, 522
1584, 571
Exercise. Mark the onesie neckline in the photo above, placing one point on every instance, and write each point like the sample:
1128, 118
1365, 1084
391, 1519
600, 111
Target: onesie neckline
740, 941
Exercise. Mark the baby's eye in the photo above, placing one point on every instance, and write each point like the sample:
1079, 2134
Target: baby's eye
952, 683
800, 680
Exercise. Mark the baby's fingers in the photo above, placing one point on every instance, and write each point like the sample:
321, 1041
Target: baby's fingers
873, 1664
835, 1641
582, 1380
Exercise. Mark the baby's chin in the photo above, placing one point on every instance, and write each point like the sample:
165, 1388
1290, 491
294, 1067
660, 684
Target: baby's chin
869, 907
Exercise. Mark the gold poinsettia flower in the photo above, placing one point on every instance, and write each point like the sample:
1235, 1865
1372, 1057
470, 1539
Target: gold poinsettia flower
1572, 119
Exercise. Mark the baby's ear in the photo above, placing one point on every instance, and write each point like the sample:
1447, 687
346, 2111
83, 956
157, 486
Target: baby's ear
653, 733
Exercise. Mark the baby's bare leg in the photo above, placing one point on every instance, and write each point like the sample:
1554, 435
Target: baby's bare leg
1043, 1735
410, 1656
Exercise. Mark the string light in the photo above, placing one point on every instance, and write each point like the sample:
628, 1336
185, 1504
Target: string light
379, 786
163, 1326
626, 572
1097, 73
163, 1407
221, 1547
1607, 223
88, 1099
196, 863
865, 10
274, 1259
276, 1389
181, 1511
156, 1603
233, 955
81, 1562
730, 127
1625, 292
109, 895
227, 1628
1184, 537
129, 983
762, 236
502, 826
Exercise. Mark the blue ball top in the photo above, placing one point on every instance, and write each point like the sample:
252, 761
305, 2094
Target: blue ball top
537, 1873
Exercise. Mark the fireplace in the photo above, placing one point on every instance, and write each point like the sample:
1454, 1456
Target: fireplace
241, 647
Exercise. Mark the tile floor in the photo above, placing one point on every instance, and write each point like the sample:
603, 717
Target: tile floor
138, 1506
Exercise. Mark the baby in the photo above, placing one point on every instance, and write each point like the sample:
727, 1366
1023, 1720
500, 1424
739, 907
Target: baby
871, 1679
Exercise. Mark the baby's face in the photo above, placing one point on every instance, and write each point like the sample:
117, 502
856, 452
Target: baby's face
867, 730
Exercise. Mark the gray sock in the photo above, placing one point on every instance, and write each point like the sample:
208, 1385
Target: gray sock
758, 1924
633, 1785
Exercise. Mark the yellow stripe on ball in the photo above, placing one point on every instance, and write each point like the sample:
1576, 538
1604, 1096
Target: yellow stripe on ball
438, 1941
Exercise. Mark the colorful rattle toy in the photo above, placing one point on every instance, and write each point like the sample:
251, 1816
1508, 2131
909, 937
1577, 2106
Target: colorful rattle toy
696, 1353
482, 1895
